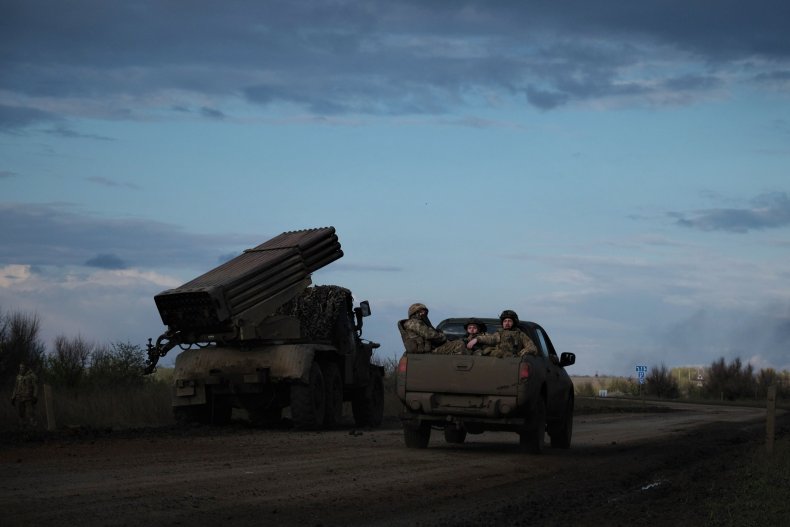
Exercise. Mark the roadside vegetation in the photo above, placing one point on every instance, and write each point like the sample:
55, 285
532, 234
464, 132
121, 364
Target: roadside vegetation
731, 382
104, 386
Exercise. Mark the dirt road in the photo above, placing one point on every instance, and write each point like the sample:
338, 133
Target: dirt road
244, 476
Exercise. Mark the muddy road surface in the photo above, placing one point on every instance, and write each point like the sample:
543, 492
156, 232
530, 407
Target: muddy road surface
247, 476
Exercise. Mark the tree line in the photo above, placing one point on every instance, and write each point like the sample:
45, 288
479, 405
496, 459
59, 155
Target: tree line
73, 363
721, 380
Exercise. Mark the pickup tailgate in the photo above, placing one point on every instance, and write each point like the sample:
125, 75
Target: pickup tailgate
462, 374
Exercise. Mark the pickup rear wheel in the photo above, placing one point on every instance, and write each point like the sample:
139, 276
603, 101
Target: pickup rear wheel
561, 437
454, 435
531, 439
334, 395
308, 403
417, 436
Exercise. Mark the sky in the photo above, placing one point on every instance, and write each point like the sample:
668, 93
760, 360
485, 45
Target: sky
618, 172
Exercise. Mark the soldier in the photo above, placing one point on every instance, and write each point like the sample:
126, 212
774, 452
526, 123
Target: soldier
417, 332
25, 396
509, 341
474, 328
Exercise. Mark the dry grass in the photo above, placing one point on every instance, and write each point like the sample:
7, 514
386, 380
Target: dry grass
113, 407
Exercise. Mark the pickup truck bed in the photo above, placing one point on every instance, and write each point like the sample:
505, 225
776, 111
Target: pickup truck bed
472, 393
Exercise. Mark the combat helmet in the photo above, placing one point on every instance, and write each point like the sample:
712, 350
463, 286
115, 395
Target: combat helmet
481, 326
414, 308
509, 313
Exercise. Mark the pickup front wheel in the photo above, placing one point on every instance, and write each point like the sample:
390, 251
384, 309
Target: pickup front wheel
417, 436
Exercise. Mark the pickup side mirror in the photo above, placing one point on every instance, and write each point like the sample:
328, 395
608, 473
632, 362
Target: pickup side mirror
364, 308
566, 359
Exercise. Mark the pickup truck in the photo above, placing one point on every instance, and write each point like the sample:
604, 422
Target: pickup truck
469, 394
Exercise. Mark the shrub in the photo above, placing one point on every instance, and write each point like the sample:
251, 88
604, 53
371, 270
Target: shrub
19, 342
660, 383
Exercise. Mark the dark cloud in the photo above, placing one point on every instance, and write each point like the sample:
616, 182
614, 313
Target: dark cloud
7, 174
18, 117
54, 235
768, 211
706, 335
106, 261
107, 182
63, 131
376, 56
211, 113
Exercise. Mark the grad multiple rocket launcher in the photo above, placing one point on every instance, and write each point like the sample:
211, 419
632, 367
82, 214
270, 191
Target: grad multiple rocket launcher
256, 335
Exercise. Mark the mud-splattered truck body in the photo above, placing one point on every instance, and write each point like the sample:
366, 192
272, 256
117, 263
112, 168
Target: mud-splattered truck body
257, 335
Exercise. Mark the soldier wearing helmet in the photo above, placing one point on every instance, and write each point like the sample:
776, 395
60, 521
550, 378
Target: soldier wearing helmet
509, 341
474, 329
417, 332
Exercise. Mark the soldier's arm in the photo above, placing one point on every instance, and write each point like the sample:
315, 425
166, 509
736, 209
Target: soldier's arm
425, 331
529, 346
488, 340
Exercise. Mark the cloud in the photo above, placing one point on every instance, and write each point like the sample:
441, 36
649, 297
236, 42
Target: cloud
768, 211
62, 131
375, 57
106, 261
107, 182
211, 113
7, 174
14, 118
56, 235
104, 305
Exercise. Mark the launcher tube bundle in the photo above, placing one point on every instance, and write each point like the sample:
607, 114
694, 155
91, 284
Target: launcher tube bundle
250, 287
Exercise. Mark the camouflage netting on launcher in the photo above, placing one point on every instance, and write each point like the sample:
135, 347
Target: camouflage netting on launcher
321, 310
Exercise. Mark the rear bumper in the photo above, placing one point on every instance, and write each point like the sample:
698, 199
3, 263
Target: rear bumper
472, 406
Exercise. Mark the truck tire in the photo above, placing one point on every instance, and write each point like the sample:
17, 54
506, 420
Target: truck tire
308, 402
214, 412
188, 415
220, 413
417, 436
532, 437
561, 436
334, 395
454, 435
368, 402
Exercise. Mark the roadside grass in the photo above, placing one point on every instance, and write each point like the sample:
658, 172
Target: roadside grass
756, 494
110, 407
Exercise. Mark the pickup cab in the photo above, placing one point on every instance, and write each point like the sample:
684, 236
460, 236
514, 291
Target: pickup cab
470, 394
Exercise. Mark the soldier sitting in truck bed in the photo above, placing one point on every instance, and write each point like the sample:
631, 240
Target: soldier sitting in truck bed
509, 341
475, 329
419, 335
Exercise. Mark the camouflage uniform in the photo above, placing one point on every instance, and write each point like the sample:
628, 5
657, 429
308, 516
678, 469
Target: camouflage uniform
417, 332
508, 343
478, 348
25, 395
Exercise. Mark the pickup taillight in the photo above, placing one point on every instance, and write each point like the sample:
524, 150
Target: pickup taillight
402, 363
400, 384
523, 371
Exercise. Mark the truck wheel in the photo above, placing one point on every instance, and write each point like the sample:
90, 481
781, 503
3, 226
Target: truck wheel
454, 435
368, 403
334, 395
187, 415
531, 439
220, 413
308, 404
417, 436
561, 437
